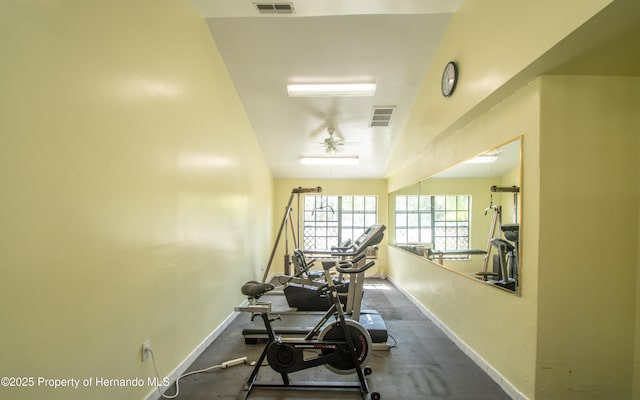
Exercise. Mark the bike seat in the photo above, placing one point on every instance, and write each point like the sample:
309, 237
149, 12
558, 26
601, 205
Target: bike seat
255, 289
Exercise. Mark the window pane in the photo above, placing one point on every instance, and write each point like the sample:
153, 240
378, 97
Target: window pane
358, 203
413, 235
347, 219
401, 220
401, 203
425, 203
358, 220
401, 236
425, 236
309, 202
412, 220
332, 230
425, 219
463, 231
332, 201
370, 203
451, 231
347, 202
369, 219
412, 203
463, 202
450, 243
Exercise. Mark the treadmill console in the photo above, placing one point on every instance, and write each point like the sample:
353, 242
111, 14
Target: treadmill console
371, 237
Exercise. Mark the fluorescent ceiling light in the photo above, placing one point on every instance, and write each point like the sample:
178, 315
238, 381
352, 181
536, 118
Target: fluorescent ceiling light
331, 89
482, 160
347, 160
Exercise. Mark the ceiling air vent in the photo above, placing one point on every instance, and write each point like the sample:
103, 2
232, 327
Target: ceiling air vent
275, 8
381, 116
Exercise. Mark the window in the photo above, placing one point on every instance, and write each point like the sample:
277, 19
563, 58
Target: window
439, 220
330, 220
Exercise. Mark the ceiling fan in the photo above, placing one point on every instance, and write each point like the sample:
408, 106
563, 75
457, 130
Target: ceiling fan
333, 143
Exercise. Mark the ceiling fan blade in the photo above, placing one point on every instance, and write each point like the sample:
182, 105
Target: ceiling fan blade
318, 131
333, 150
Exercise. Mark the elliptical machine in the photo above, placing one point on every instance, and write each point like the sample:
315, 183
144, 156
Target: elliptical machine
343, 345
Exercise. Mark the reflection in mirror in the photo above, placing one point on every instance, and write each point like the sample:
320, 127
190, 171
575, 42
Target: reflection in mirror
466, 218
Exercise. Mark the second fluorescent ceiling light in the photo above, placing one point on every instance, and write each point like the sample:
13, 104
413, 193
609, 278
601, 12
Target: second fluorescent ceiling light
331, 89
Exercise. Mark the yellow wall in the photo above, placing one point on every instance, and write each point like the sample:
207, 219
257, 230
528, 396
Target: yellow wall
500, 327
129, 210
492, 41
125, 217
282, 193
493, 102
588, 236
636, 356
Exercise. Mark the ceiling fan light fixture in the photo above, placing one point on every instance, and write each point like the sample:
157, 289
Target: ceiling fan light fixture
331, 89
316, 160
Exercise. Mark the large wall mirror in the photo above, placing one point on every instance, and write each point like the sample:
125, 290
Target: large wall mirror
466, 218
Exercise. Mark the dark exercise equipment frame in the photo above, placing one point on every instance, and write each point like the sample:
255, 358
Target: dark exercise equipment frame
287, 217
285, 356
505, 271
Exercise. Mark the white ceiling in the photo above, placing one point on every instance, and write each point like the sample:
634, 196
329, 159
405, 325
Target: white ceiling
390, 42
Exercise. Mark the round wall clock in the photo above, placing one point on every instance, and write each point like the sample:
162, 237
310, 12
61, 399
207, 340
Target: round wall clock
449, 78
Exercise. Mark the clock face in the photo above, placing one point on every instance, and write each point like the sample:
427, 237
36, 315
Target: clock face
449, 78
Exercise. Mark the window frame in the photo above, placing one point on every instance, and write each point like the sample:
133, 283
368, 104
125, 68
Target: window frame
434, 221
330, 214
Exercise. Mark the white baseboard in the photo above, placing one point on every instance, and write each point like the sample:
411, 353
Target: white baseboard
481, 362
182, 367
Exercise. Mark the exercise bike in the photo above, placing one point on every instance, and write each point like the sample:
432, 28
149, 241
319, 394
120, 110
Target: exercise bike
342, 346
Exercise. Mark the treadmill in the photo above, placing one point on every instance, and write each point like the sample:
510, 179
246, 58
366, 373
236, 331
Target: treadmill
298, 323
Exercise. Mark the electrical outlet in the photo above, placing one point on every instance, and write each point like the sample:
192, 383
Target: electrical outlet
146, 349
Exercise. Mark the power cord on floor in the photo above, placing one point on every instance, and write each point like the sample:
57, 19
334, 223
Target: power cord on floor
226, 364
395, 342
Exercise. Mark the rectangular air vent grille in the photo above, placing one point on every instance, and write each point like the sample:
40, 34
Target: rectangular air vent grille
275, 8
381, 116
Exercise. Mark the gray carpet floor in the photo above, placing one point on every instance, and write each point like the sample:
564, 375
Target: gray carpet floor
423, 364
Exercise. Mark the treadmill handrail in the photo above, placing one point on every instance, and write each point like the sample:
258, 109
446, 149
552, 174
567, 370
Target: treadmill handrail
359, 252
338, 248
355, 270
